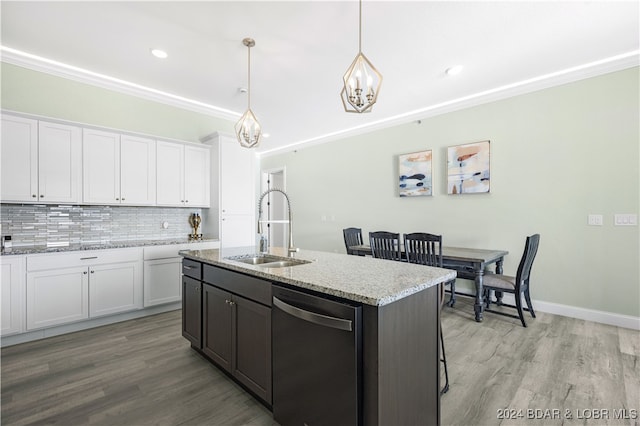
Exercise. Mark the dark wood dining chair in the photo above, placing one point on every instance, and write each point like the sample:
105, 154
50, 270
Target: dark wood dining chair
352, 237
519, 285
426, 249
385, 245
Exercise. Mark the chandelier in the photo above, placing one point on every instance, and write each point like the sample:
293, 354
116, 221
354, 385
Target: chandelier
247, 128
362, 81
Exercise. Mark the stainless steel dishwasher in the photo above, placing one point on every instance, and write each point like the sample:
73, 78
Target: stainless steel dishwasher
317, 365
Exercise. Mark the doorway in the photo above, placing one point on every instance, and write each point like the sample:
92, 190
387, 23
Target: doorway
275, 215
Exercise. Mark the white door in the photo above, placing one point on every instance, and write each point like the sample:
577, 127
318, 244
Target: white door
137, 170
59, 163
101, 167
57, 297
197, 176
114, 288
162, 281
19, 159
12, 298
170, 174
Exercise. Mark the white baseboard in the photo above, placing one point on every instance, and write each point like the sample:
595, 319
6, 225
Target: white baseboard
609, 318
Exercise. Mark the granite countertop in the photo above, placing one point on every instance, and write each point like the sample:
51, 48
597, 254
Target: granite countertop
367, 280
100, 246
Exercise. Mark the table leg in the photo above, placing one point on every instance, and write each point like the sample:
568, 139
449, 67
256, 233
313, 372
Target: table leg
479, 307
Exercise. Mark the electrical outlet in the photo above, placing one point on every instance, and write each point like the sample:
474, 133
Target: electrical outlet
165, 225
625, 219
595, 220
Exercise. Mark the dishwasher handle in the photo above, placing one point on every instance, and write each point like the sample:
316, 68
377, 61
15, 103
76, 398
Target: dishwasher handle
323, 320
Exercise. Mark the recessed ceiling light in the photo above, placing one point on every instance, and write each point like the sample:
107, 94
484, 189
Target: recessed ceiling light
454, 70
159, 53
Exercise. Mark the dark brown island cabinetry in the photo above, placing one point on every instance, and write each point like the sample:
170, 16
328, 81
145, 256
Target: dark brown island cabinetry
192, 302
235, 317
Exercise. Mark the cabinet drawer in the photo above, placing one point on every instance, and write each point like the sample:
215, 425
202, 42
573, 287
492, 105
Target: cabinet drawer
39, 262
243, 285
192, 269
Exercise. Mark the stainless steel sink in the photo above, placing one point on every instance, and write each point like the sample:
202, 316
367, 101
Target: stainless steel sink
267, 260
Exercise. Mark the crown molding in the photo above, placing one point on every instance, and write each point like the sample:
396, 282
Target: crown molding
47, 66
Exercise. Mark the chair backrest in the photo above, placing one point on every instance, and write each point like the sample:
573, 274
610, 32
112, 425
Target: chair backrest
352, 237
529, 254
385, 245
423, 248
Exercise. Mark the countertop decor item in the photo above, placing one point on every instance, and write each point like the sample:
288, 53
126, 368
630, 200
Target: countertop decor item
362, 80
194, 221
248, 129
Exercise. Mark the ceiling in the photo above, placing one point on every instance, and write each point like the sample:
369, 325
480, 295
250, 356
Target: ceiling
303, 49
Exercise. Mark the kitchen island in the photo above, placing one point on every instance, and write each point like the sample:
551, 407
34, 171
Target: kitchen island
399, 381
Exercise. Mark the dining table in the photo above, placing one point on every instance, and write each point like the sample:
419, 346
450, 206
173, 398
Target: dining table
469, 263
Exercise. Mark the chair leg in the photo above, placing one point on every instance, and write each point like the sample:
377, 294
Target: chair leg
519, 306
452, 299
444, 361
527, 297
487, 297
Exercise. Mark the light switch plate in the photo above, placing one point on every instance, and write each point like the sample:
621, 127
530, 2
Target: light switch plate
625, 219
595, 220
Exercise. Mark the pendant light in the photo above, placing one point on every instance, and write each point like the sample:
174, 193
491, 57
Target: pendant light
362, 80
248, 129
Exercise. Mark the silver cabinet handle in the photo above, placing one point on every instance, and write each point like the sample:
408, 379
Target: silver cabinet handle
188, 267
41, 196
85, 272
87, 258
323, 320
34, 195
93, 272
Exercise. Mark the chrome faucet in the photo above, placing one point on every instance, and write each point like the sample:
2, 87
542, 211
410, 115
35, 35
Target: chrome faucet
291, 248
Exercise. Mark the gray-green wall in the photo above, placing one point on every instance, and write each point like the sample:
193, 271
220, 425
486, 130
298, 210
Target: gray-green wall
557, 155
34, 92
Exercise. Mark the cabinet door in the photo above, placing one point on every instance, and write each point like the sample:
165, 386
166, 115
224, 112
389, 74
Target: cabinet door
101, 167
237, 184
19, 159
237, 230
192, 311
59, 163
12, 299
114, 288
170, 174
57, 297
197, 176
217, 326
162, 281
252, 344
137, 171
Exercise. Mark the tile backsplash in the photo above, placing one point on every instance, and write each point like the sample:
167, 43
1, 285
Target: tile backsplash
41, 225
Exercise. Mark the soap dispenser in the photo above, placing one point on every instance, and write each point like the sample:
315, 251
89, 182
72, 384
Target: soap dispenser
264, 245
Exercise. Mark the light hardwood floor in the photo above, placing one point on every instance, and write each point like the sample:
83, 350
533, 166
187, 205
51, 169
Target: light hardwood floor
142, 372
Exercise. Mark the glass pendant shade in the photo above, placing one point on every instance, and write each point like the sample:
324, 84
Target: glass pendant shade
362, 83
248, 130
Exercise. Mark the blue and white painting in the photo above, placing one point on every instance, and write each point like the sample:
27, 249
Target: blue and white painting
468, 168
415, 174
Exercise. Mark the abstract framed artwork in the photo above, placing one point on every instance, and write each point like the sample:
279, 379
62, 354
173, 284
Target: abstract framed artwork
414, 171
468, 168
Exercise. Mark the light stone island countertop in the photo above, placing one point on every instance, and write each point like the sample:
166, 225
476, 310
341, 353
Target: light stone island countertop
367, 280
100, 246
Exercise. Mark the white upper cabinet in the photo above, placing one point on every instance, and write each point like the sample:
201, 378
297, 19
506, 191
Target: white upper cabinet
183, 175
137, 170
43, 166
118, 169
19, 152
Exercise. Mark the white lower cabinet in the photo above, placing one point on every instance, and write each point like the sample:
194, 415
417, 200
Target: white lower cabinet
162, 281
163, 271
114, 288
12, 298
57, 297
69, 287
